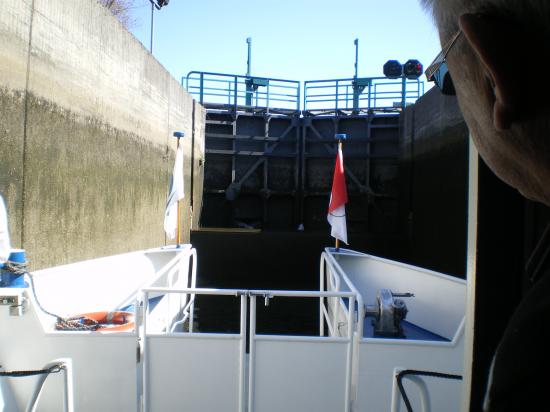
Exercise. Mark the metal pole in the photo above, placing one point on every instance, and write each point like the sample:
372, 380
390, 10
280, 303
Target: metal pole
403, 91
242, 356
249, 61
179, 208
144, 349
356, 42
249, 89
193, 286
337, 242
65, 364
349, 354
252, 352
152, 25
322, 276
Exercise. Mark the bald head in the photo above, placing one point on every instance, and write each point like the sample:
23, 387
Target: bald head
447, 12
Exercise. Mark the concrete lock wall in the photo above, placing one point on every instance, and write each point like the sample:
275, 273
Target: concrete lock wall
434, 183
86, 119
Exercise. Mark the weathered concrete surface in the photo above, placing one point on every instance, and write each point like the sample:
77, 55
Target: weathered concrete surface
434, 179
86, 118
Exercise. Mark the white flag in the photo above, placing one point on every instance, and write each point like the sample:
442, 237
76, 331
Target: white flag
176, 193
5, 247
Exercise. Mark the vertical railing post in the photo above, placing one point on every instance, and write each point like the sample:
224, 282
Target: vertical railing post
298, 96
403, 91
321, 299
236, 85
368, 101
336, 102
68, 384
252, 352
305, 96
201, 93
193, 286
267, 98
145, 366
66, 366
349, 354
242, 356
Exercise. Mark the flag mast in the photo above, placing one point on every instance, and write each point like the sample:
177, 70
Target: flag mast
340, 137
178, 135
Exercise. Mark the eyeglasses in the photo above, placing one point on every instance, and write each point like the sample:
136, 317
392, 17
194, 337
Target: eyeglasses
438, 72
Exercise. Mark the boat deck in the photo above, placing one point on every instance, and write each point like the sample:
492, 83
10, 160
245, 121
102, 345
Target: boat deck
411, 331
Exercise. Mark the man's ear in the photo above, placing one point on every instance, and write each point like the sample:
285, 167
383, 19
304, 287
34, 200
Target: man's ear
501, 50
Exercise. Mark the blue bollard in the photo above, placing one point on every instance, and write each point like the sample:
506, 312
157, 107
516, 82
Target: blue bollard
9, 279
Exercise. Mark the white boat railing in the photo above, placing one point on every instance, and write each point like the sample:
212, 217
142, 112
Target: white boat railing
327, 260
187, 302
169, 270
248, 373
422, 390
65, 366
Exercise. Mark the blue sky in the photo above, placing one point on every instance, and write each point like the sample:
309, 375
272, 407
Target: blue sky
292, 39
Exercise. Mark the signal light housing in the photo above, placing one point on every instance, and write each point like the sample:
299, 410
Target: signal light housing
413, 69
393, 69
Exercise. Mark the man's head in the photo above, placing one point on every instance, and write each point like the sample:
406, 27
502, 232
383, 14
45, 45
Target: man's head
498, 68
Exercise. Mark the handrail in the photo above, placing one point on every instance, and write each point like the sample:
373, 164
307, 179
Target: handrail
251, 292
188, 310
240, 76
360, 303
167, 268
185, 312
66, 366
420, 384
360, 93
335, 283
243, 91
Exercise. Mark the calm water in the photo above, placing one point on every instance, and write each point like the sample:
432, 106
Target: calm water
283, 316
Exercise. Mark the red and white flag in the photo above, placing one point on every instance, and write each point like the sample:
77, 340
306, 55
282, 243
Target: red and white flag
338, 199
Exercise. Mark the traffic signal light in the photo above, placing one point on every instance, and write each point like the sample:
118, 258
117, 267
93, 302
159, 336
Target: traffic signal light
393, 69
413, 69
162, 3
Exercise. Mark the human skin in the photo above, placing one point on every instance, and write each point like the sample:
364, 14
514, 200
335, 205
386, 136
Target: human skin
511, 139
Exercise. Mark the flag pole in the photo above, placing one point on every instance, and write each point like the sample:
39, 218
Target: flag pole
178, 241
340, 137
178, 135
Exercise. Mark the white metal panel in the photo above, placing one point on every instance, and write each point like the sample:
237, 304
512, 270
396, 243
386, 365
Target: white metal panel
100, 284
198, 374
377, 362
471, 275
104, 365
439, 302
297, 376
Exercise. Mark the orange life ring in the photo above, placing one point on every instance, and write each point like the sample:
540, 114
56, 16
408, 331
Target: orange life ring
117, 321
